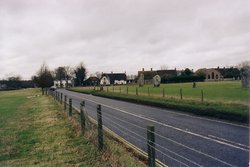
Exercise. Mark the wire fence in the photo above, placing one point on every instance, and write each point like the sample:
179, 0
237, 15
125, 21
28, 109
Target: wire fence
139, 135
197, 94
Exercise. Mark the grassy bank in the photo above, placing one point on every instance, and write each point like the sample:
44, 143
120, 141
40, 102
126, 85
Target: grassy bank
35, 132
226, 108
224, 92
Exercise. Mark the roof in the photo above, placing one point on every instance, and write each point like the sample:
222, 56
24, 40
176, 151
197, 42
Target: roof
165, 73
115, 76
225, 72
161, 73
93, 79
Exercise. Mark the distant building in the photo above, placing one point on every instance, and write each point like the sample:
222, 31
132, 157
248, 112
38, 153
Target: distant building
148, 75
63, 83
131, 79
113, 79
92, 81
216, 74
3, 85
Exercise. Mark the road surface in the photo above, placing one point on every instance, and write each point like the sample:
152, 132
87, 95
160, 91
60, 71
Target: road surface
181, 139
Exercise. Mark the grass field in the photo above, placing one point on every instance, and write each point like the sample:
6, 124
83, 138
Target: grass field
35, 132
226, 92
224, 100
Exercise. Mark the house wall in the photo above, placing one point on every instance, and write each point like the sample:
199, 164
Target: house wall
104, 81
120, 82
213, 75
57, 83
148, 81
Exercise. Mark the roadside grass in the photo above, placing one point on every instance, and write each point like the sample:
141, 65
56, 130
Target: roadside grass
223, 91
225, 100
35, 132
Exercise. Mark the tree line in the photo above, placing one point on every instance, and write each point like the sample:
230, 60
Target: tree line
45, 77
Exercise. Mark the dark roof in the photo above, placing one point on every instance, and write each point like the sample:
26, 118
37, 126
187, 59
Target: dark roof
161, 73
93, 79
225, 72
229, 72
115, 76
166, 73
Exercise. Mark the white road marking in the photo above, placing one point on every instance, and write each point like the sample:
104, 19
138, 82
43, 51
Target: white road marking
192, 116
169, 126
165, 125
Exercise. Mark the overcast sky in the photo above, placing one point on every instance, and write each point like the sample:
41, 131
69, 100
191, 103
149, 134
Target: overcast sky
122, 35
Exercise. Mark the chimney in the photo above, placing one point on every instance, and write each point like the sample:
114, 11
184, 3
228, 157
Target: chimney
151, 69
142, 69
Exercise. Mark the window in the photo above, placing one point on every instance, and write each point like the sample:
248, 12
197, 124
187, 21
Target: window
212, 75
208, 76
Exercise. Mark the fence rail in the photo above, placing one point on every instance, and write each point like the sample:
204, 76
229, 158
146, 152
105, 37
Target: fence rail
146, 135
179, 93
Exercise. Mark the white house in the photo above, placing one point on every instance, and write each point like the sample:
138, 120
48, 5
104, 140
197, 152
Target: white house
63, 83
113, 79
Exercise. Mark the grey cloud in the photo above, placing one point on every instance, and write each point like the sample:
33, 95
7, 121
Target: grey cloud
122, 35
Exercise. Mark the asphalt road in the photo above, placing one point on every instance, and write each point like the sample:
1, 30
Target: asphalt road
181, 139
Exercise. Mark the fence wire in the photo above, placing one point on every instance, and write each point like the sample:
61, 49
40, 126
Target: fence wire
109, 120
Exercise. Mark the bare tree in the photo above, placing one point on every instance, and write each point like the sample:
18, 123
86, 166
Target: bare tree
69, 73
164, 67
44, 77
60, 74
98, 75
14, 81
80, 74
245, 73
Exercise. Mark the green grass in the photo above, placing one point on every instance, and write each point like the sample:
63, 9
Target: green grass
35, 132
226, 91
224, 100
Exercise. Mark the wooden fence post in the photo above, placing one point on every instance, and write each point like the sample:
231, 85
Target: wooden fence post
113, 89
82, 116
148, 92
70, 107
202, 96
163, 92
181, 93
61, 98
136, 91
107, 89
100, 131
65, 102
127, 89
120, 90
151, 146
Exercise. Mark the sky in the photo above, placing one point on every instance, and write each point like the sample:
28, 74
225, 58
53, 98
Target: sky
122, 36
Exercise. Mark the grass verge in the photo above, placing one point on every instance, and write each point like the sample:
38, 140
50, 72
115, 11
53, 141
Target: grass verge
225, 111
35, 132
